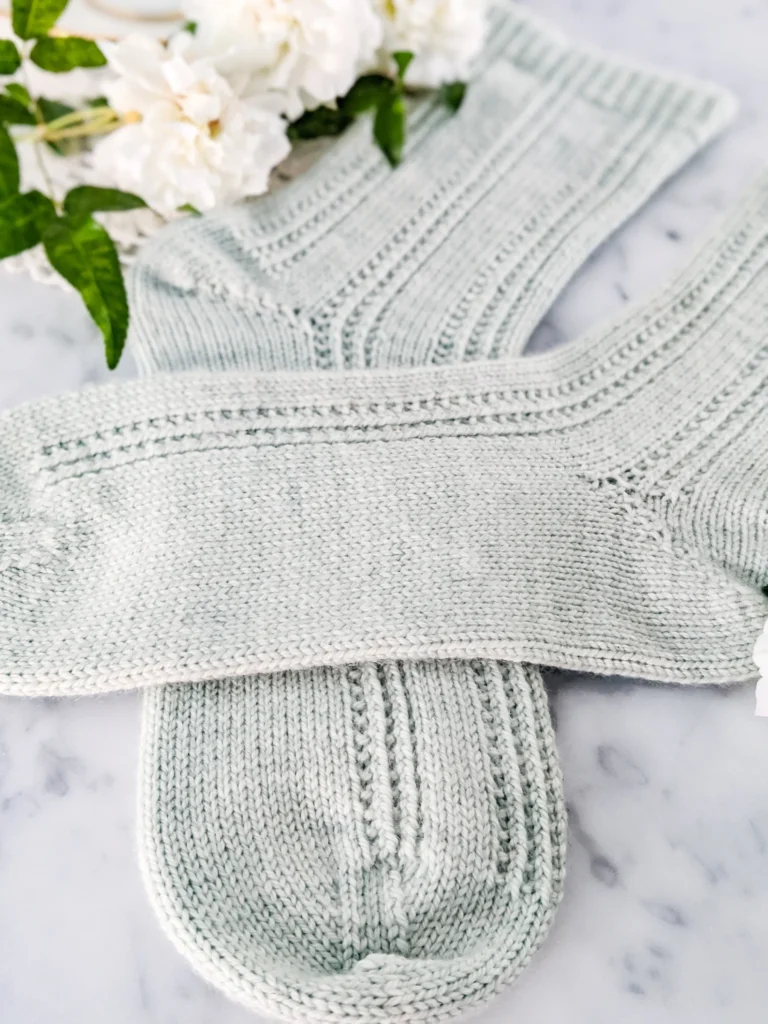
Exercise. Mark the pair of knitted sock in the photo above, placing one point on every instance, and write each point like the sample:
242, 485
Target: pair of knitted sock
387, 841
384, 841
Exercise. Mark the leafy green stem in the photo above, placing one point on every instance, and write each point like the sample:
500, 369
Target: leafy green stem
43, 167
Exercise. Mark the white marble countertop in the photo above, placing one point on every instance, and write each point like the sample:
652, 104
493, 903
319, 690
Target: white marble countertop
665, 918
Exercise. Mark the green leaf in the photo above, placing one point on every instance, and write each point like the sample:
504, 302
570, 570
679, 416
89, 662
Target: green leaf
10, 61
19, 92
12, 111
84, 254
34, 18
189, 208
97, 101
9, 166
23, 219
64, 53
453, 94
318, 123
50, 110
87, 199
402, 59
366, 94
389, 128
189, 26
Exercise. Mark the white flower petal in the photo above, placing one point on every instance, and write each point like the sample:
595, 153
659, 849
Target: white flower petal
307, 52
139, 58
195, 140
180, 75
202, 108
445, 36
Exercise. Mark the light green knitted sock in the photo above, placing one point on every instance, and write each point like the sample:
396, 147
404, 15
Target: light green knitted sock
600, 507
374, 843
383, 842
462, 249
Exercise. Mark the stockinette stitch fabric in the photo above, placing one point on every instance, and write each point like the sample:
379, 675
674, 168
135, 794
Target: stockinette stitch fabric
375, 843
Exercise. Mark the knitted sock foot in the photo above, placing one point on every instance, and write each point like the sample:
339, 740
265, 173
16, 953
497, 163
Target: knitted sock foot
457, 254
383, 843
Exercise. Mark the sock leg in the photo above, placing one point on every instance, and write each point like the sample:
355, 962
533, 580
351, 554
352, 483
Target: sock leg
456, 255
368, 844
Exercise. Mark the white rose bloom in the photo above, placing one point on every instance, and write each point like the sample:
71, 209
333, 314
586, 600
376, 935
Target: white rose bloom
761, 659
443, 35
189, 137
303, 53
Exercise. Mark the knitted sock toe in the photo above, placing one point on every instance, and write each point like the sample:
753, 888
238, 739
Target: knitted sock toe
457, 254
373, 844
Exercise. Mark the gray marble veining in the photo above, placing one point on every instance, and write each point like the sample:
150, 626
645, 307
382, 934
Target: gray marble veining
665, 919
